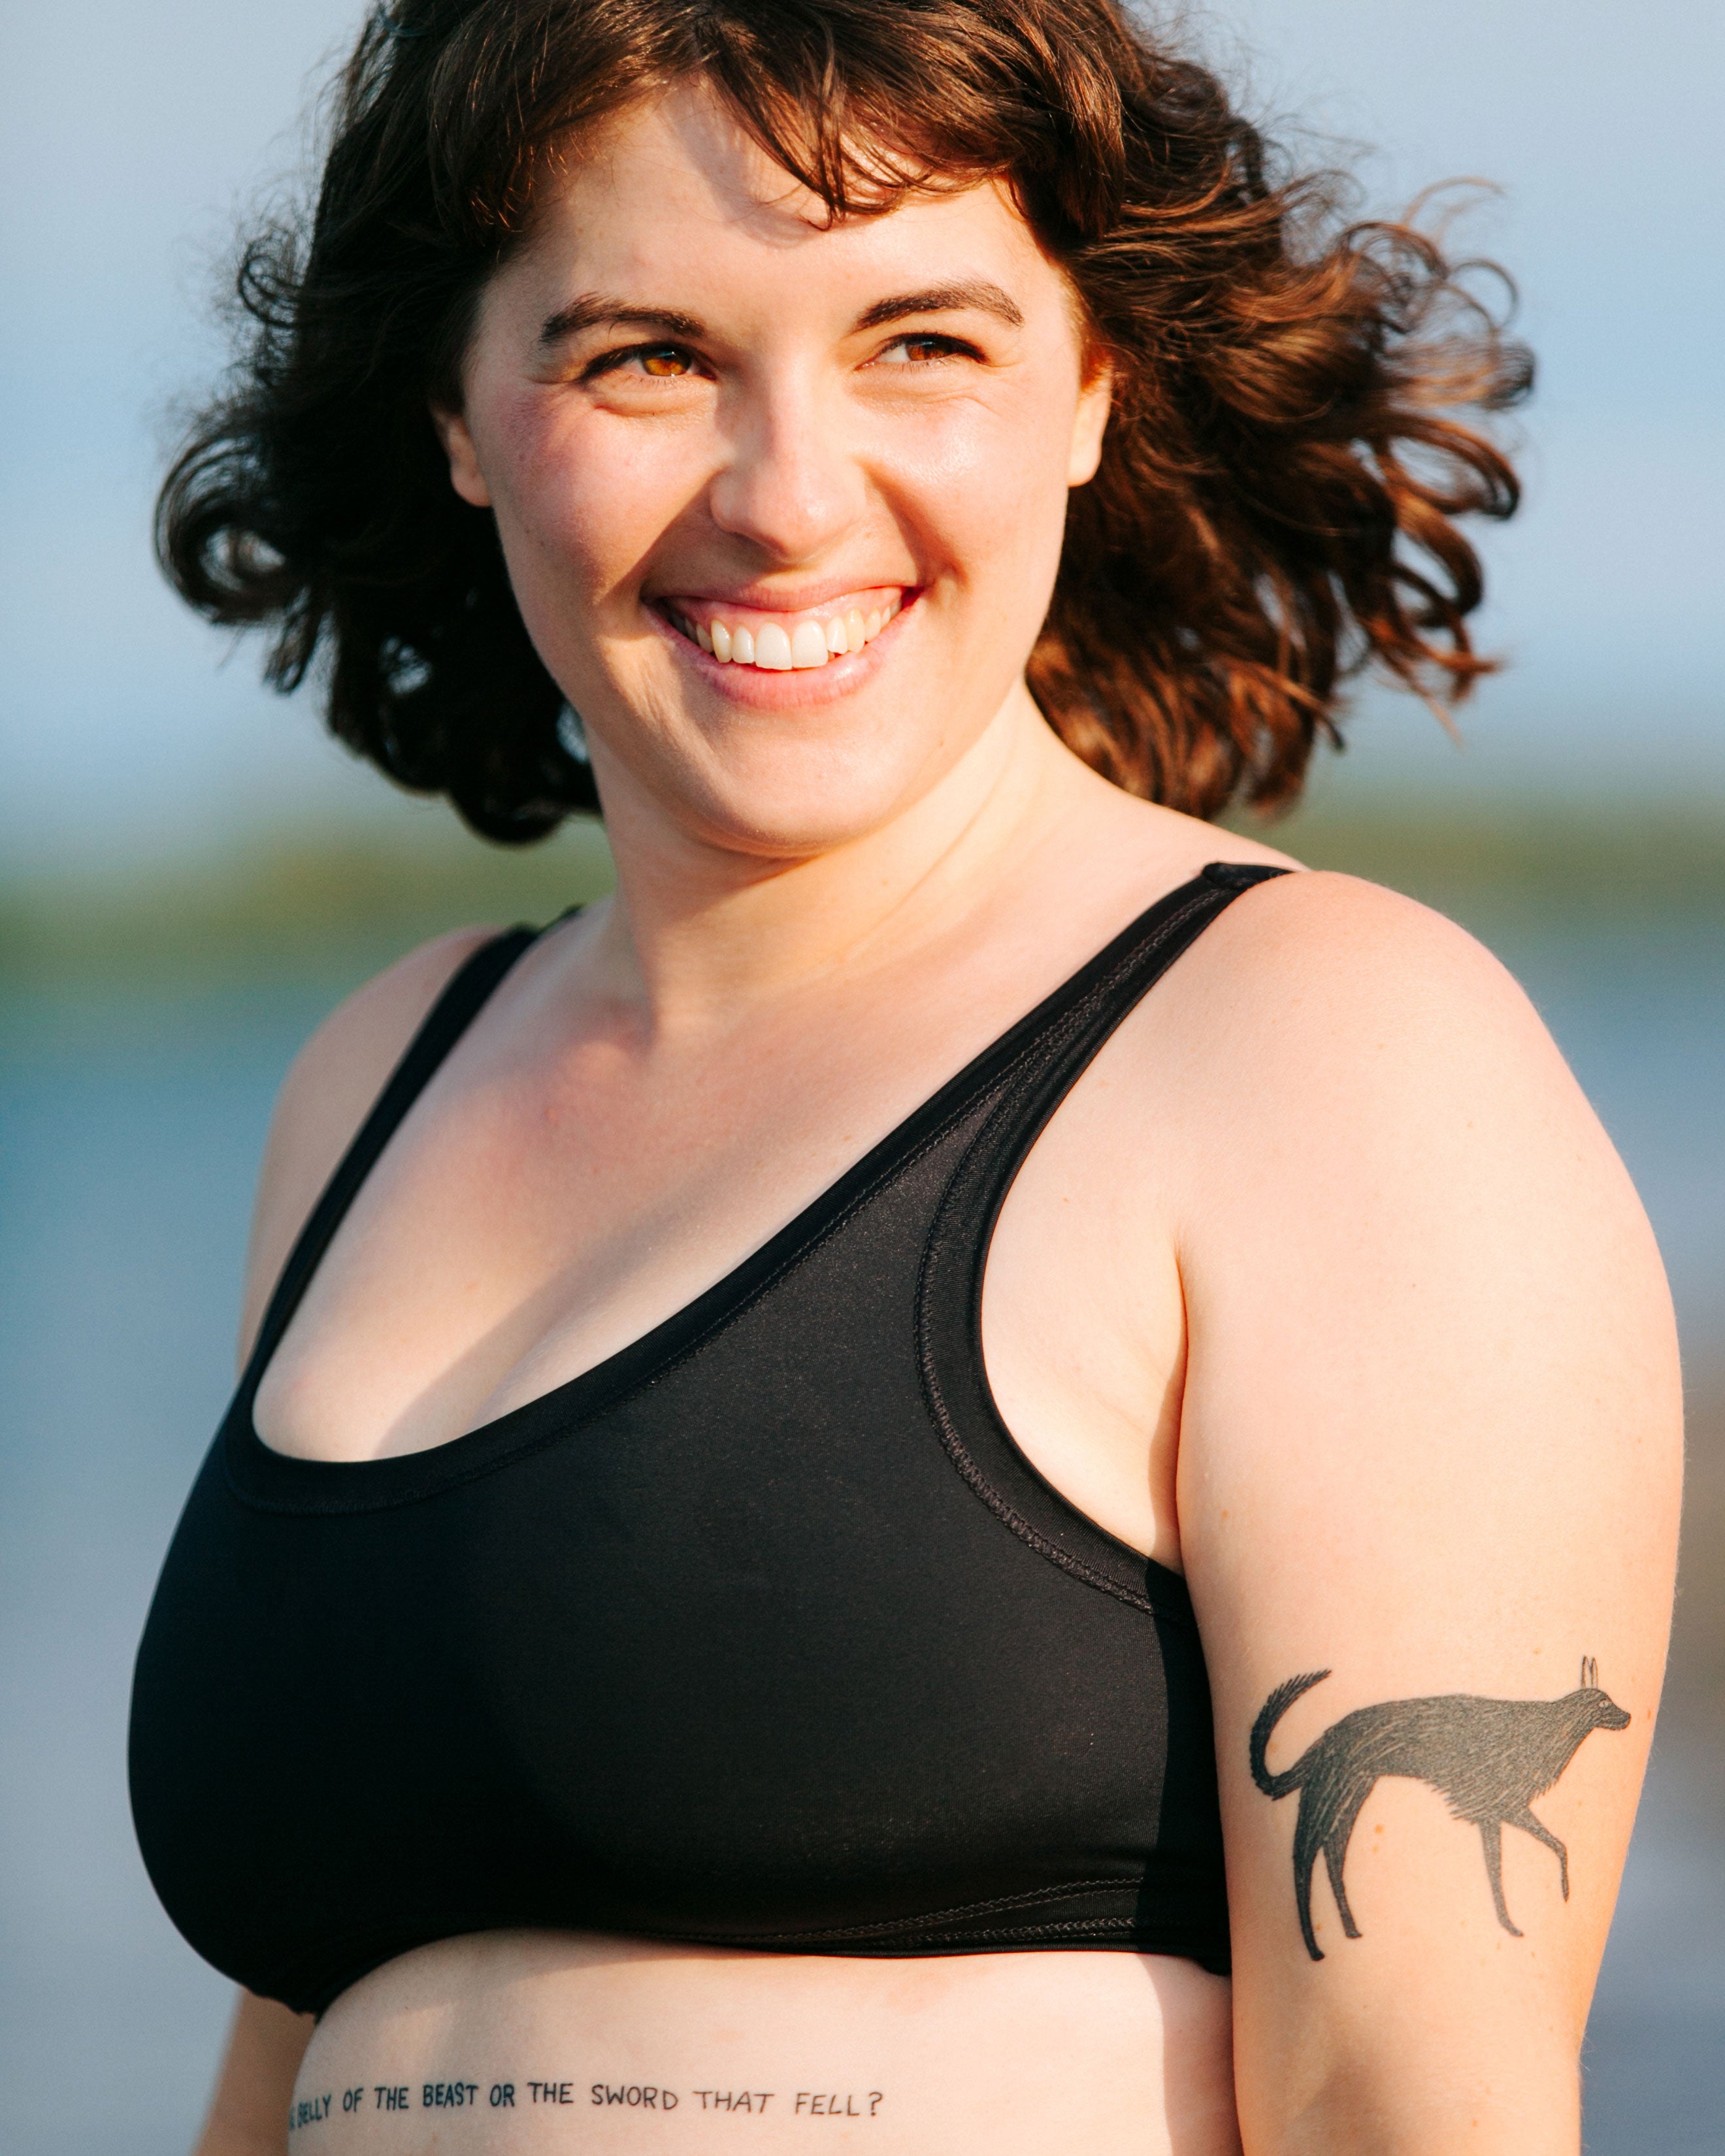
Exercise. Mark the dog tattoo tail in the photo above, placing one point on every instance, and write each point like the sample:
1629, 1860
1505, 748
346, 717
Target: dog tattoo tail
1277, 1705
1488, 1759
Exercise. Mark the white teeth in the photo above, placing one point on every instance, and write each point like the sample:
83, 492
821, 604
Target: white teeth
809, 645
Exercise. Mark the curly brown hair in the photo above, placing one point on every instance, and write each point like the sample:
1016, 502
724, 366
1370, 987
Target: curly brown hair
1276, 505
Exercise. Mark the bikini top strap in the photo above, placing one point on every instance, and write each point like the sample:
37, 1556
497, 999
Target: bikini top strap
1113, 988
1110, 990
949, 1321
465, 995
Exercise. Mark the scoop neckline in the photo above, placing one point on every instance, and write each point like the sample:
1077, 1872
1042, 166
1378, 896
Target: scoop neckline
288, 1482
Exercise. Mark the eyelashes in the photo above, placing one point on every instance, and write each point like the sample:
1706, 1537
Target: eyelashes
931, 346
658, 362
674, 362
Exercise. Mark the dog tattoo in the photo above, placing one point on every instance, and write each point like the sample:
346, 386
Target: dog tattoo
1488, 1759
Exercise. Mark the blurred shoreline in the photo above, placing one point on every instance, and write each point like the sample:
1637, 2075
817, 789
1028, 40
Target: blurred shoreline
145, 1018
304, 901
1693, 1713
1557, 886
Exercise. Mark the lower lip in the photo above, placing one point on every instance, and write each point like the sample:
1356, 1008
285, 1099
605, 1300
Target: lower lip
766, 689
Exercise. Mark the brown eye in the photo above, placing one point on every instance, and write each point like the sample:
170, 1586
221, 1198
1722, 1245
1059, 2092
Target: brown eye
926, 350
667, 360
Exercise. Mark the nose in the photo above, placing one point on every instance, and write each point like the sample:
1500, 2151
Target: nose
790, 485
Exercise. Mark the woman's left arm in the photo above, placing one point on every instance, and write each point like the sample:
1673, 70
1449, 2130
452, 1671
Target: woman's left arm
1429, 1481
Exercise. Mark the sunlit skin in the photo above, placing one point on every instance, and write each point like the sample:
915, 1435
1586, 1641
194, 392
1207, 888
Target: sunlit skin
1321, 1285
812, 439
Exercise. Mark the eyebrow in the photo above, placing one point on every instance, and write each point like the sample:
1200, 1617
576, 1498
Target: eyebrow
975, 294
593, 311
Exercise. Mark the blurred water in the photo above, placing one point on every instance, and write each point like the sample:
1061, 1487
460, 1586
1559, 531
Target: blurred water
129, 1133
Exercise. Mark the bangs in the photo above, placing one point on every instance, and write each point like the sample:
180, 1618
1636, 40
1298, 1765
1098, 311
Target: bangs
1290, 444
916, 96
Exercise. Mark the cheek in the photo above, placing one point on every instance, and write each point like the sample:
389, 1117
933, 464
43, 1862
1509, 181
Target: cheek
990, 484
580, 498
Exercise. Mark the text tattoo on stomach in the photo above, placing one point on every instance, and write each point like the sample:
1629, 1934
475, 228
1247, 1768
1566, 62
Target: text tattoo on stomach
525, 2095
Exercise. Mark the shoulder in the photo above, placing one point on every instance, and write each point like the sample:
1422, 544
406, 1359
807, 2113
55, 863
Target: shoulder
327, 1093
1321, 984
1430, 1416
1318, 1016
1358, 1084
1335, 1068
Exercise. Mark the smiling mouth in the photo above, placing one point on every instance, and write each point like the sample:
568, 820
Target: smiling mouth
780, 644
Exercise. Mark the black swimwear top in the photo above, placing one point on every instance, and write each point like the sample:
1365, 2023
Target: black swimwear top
762, 1632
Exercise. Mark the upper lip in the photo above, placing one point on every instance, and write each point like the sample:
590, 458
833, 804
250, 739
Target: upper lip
806, 598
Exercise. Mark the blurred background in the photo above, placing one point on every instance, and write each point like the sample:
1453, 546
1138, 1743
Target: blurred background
190, 874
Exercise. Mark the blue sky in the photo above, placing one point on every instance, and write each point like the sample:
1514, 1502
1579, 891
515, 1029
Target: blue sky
132, 138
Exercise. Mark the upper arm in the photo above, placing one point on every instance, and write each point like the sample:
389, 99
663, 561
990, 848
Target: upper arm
327, 1094
1430, 1443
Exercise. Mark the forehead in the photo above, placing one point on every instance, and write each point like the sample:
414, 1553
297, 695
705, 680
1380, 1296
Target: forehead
675, 186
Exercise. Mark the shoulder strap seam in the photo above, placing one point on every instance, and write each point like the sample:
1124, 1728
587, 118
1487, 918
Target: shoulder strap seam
804, 1250
887, 1173
1224, 888
985, 1094
457, 1004
889, 1170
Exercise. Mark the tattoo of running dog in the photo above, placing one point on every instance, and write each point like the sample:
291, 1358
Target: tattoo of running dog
1488, 1759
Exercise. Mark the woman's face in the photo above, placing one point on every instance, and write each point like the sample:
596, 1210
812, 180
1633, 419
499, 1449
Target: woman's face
709, 424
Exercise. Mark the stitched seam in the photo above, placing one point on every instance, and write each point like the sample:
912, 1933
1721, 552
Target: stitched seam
1088, 1927
1007, 1514
1073, 1018
955, 1449
890, 1926
690, 1348
889, 1170
360, 1937
497, 957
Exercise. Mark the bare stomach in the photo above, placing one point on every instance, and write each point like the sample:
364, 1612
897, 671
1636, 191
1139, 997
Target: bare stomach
554, 2041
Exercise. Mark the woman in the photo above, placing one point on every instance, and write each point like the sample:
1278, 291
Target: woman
665, 1639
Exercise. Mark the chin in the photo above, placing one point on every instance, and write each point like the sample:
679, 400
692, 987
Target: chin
778, 785
798, 815
793, 799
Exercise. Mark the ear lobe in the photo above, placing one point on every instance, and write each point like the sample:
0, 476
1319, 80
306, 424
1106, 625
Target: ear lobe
465, 475
1089, 423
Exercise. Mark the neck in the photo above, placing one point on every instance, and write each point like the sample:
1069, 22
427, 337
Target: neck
700, 930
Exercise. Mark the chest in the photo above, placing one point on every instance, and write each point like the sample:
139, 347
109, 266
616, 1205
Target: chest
759, 1631
531, 1220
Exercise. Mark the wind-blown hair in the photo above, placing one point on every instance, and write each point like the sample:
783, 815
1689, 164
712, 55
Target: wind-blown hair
1275, 506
